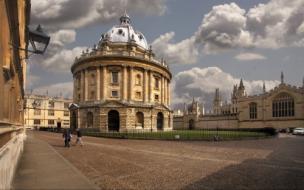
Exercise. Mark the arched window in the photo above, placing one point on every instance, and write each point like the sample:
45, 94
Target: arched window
253, 110
115, 77
140, 119
138, 80
89, 119
78, 82
92, 95
156, 85
92, 80
283, 106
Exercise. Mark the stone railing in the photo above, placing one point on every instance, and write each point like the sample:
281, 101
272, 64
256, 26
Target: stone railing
11, 147
144, 56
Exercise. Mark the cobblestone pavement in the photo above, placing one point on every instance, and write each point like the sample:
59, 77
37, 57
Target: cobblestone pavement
276, 163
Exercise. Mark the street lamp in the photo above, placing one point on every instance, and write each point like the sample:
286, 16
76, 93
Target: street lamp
39, 40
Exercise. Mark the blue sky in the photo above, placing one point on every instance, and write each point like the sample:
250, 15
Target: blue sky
210, 39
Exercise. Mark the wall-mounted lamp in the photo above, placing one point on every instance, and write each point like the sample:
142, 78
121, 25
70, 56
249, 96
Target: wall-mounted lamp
38, 39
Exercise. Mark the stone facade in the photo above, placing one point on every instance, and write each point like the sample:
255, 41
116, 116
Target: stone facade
120, 86
280, 108
14, 18
44, 111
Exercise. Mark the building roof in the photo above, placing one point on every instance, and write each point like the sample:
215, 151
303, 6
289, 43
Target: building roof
125, 33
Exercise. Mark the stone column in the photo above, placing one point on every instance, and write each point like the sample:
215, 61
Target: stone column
86, 85
150, 86
130, 94
165, 91
98, 83
145, 86
74, 89
104, 82
162, 90
168, 92
124, 83
82, 85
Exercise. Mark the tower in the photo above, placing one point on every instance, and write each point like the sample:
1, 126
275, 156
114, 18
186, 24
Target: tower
217, 103
194, 108
282, 77
264, 87
234, 101
241, 90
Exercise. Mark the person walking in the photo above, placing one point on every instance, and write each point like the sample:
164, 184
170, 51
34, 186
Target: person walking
79, 137
67, 137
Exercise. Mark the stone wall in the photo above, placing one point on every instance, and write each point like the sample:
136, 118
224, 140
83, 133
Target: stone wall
10, 153
205, 122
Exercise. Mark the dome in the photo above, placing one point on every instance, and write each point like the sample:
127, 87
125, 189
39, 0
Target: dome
124, 33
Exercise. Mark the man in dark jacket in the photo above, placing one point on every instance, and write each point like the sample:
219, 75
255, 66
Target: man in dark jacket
67, 137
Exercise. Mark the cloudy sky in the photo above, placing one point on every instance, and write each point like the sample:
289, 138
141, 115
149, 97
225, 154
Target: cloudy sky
209, 44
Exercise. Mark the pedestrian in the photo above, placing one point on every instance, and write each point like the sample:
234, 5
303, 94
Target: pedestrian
79, 137
67, 137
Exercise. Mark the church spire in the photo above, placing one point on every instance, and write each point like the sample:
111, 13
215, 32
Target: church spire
282, 77
264, 87
241, 84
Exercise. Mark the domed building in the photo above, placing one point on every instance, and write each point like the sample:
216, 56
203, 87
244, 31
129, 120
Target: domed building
120, 86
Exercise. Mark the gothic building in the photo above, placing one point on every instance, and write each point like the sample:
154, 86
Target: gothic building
119, 85
280, 108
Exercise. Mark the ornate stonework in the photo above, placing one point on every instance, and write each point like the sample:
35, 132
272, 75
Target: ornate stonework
120, 86
280, 108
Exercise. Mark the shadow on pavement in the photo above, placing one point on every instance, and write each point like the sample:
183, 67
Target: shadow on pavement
282, 169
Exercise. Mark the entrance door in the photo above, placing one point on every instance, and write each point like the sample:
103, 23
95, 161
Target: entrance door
191, 124
160, 121
73, 121
113, 120
90, 119
58, 125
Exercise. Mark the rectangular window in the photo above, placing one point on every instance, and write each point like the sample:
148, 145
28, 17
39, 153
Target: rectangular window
66, 105
51, 122
253, 111
36, 121
115, 77
114, 93
66, 113
51, 112
51, 104
66, 122
37, 112
156, 97
138, 95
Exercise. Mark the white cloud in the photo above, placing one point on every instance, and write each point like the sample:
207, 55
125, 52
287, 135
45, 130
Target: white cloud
62, 37
62, 60
64, 89
202, 82
249, 57
276, 24
184, 52
55, 14
224, 28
